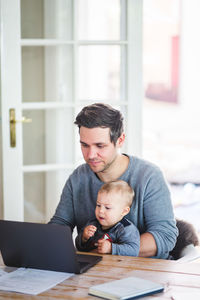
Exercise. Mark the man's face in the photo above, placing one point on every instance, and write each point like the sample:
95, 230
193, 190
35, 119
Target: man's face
98, 151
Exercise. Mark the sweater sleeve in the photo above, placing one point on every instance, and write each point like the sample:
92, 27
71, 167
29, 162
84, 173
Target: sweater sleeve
82, 246
127, 241
158, 214
90, 244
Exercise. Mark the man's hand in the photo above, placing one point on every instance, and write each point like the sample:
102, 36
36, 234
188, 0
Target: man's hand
104, 246
88, 232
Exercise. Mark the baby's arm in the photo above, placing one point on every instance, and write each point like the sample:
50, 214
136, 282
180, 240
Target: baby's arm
88, 232
83, 237
128, 242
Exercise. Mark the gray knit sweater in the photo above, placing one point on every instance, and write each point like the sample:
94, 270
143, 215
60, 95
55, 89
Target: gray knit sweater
151, 210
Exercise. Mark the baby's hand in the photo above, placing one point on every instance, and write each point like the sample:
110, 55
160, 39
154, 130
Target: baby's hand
88, 232
104, 246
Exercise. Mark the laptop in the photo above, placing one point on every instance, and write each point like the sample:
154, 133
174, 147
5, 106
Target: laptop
42, 246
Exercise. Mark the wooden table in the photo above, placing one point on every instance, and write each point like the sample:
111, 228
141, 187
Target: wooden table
181, 280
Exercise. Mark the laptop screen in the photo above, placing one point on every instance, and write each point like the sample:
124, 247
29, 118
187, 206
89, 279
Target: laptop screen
39, 246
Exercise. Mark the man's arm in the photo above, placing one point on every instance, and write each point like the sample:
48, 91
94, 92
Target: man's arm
160, 230
148, 245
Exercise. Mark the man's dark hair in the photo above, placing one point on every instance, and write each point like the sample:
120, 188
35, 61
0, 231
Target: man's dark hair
101, 115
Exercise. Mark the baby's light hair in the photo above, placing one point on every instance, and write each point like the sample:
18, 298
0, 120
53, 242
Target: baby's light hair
119, 186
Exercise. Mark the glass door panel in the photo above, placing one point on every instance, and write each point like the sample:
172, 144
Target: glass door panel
41, 194
99, 20
99, 72
47, 73
48, 138
50, 19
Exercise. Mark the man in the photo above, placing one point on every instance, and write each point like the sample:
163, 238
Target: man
101, 138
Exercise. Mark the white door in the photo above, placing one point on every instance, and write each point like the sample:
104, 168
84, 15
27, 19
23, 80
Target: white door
56, 57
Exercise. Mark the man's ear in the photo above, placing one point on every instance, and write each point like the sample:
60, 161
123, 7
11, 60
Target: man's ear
121, 140
126, 211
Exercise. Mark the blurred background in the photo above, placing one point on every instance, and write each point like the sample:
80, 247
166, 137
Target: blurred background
60, 55
171, 99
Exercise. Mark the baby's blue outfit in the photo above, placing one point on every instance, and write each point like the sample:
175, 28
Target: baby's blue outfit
124, 236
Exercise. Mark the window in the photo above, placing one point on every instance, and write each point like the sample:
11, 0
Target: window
171, 111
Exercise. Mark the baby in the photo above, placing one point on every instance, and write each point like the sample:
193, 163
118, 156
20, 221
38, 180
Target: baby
111, 232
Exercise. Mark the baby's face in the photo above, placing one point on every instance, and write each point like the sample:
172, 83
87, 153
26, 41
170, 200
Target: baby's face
110, 209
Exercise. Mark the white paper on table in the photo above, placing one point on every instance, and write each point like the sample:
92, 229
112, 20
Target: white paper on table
31, 281
2, 272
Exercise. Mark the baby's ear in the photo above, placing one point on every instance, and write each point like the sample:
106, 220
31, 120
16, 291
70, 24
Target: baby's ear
126, 210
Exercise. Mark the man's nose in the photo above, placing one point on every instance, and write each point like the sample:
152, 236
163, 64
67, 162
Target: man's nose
91, 153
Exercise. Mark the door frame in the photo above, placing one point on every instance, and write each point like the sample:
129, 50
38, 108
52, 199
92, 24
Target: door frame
13, 207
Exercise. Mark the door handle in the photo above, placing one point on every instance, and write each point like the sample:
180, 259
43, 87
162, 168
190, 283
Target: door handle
13, 122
